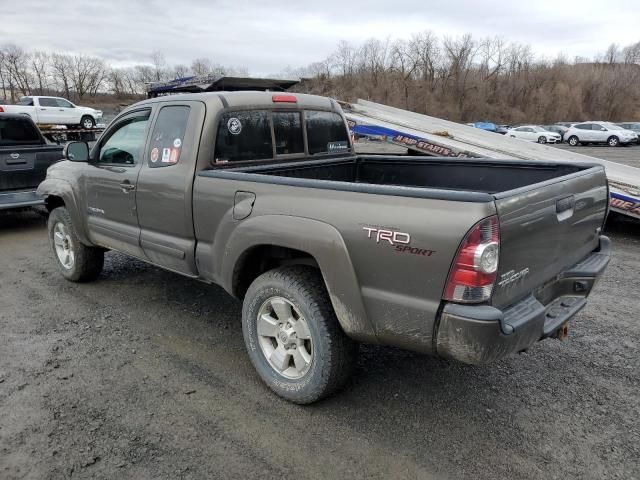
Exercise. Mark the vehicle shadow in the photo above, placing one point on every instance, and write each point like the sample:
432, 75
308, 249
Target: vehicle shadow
21, 221
622, 225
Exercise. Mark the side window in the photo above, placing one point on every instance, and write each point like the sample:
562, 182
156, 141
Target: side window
25, 102
584, 126
63, 103
244, 135
287, 129
168, 136
326, 132
595, 126
125, 144
48, 102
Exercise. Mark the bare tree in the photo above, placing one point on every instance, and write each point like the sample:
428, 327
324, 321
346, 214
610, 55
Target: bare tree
159, 65
61, 66
180, 71
16, 62
40, 67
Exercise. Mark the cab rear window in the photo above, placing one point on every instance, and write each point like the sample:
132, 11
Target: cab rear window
253, 135
18, 131
287, 128
326, 132
243, 136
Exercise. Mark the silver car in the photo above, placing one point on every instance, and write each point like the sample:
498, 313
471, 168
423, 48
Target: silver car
599, 132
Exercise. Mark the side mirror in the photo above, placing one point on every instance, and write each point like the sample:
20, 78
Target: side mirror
603, 129
76, 151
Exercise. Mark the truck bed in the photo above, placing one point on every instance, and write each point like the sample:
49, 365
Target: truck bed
550, 214
453, 175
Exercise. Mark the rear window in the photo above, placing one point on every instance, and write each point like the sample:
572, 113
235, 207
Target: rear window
287, 128
16, 131
25, 102
48, 102
243, 136
326, 132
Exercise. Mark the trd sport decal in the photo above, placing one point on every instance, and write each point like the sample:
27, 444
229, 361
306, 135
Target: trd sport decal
400, 241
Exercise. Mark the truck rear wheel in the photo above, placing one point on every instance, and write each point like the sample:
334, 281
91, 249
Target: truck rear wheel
87, 122
293, 337
77, 262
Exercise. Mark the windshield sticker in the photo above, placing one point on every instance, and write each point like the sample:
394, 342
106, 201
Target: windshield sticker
337, 146
177, 143
166, 153
234, 125
155, 153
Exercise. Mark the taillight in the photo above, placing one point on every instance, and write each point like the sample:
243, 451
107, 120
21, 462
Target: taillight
1, 110
284, 99
473, 273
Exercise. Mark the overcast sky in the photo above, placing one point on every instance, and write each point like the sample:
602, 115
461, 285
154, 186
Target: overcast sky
268, 35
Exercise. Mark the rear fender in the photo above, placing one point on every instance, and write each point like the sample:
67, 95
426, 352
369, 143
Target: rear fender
320, 240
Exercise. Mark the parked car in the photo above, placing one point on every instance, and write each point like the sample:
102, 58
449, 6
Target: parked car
599, 132
262, 194
534, 133
488, 126
24, 159
559, 129
502, 129
633, 126
54, 110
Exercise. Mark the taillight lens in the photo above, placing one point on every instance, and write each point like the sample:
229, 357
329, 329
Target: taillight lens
475, 267
1, 110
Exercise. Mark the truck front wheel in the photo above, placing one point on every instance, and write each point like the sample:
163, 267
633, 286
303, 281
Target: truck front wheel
77, 262
293, 337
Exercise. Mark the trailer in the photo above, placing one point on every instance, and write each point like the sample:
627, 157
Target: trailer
425, 135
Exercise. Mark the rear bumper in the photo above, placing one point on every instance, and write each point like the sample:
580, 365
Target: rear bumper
477, 334
23, 199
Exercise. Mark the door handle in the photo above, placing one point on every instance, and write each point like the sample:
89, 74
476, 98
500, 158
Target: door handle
43, 109
127, 186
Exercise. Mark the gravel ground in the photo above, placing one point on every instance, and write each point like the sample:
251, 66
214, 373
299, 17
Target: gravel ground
143, 374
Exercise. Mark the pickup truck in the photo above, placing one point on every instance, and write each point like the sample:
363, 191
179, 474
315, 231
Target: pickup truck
262, 193
54, 110
24, 159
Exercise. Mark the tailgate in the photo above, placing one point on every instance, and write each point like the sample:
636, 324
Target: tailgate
23, 168
546, 228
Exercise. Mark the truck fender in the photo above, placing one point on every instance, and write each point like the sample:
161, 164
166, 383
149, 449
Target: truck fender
320, 240
55, 187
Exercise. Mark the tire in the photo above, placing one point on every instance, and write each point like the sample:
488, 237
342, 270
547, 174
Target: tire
573, 141
324, 357
87, 122
77, 262
613, 141
542, 139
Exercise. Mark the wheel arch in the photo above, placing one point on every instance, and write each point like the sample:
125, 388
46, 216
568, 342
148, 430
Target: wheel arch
265, 242
58, 193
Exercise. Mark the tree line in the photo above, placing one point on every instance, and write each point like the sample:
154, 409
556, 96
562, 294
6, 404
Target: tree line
459, 78
77, 77
469, 79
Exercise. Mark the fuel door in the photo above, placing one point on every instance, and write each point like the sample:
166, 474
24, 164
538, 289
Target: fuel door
243, 204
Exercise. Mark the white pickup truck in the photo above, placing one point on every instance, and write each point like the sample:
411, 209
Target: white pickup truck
54, 110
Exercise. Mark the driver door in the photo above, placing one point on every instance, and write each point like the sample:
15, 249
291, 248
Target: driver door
111, 184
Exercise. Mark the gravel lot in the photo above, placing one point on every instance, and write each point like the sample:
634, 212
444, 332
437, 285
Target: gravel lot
143, 374
628, 155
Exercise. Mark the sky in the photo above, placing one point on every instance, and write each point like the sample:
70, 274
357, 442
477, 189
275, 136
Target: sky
267, 36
